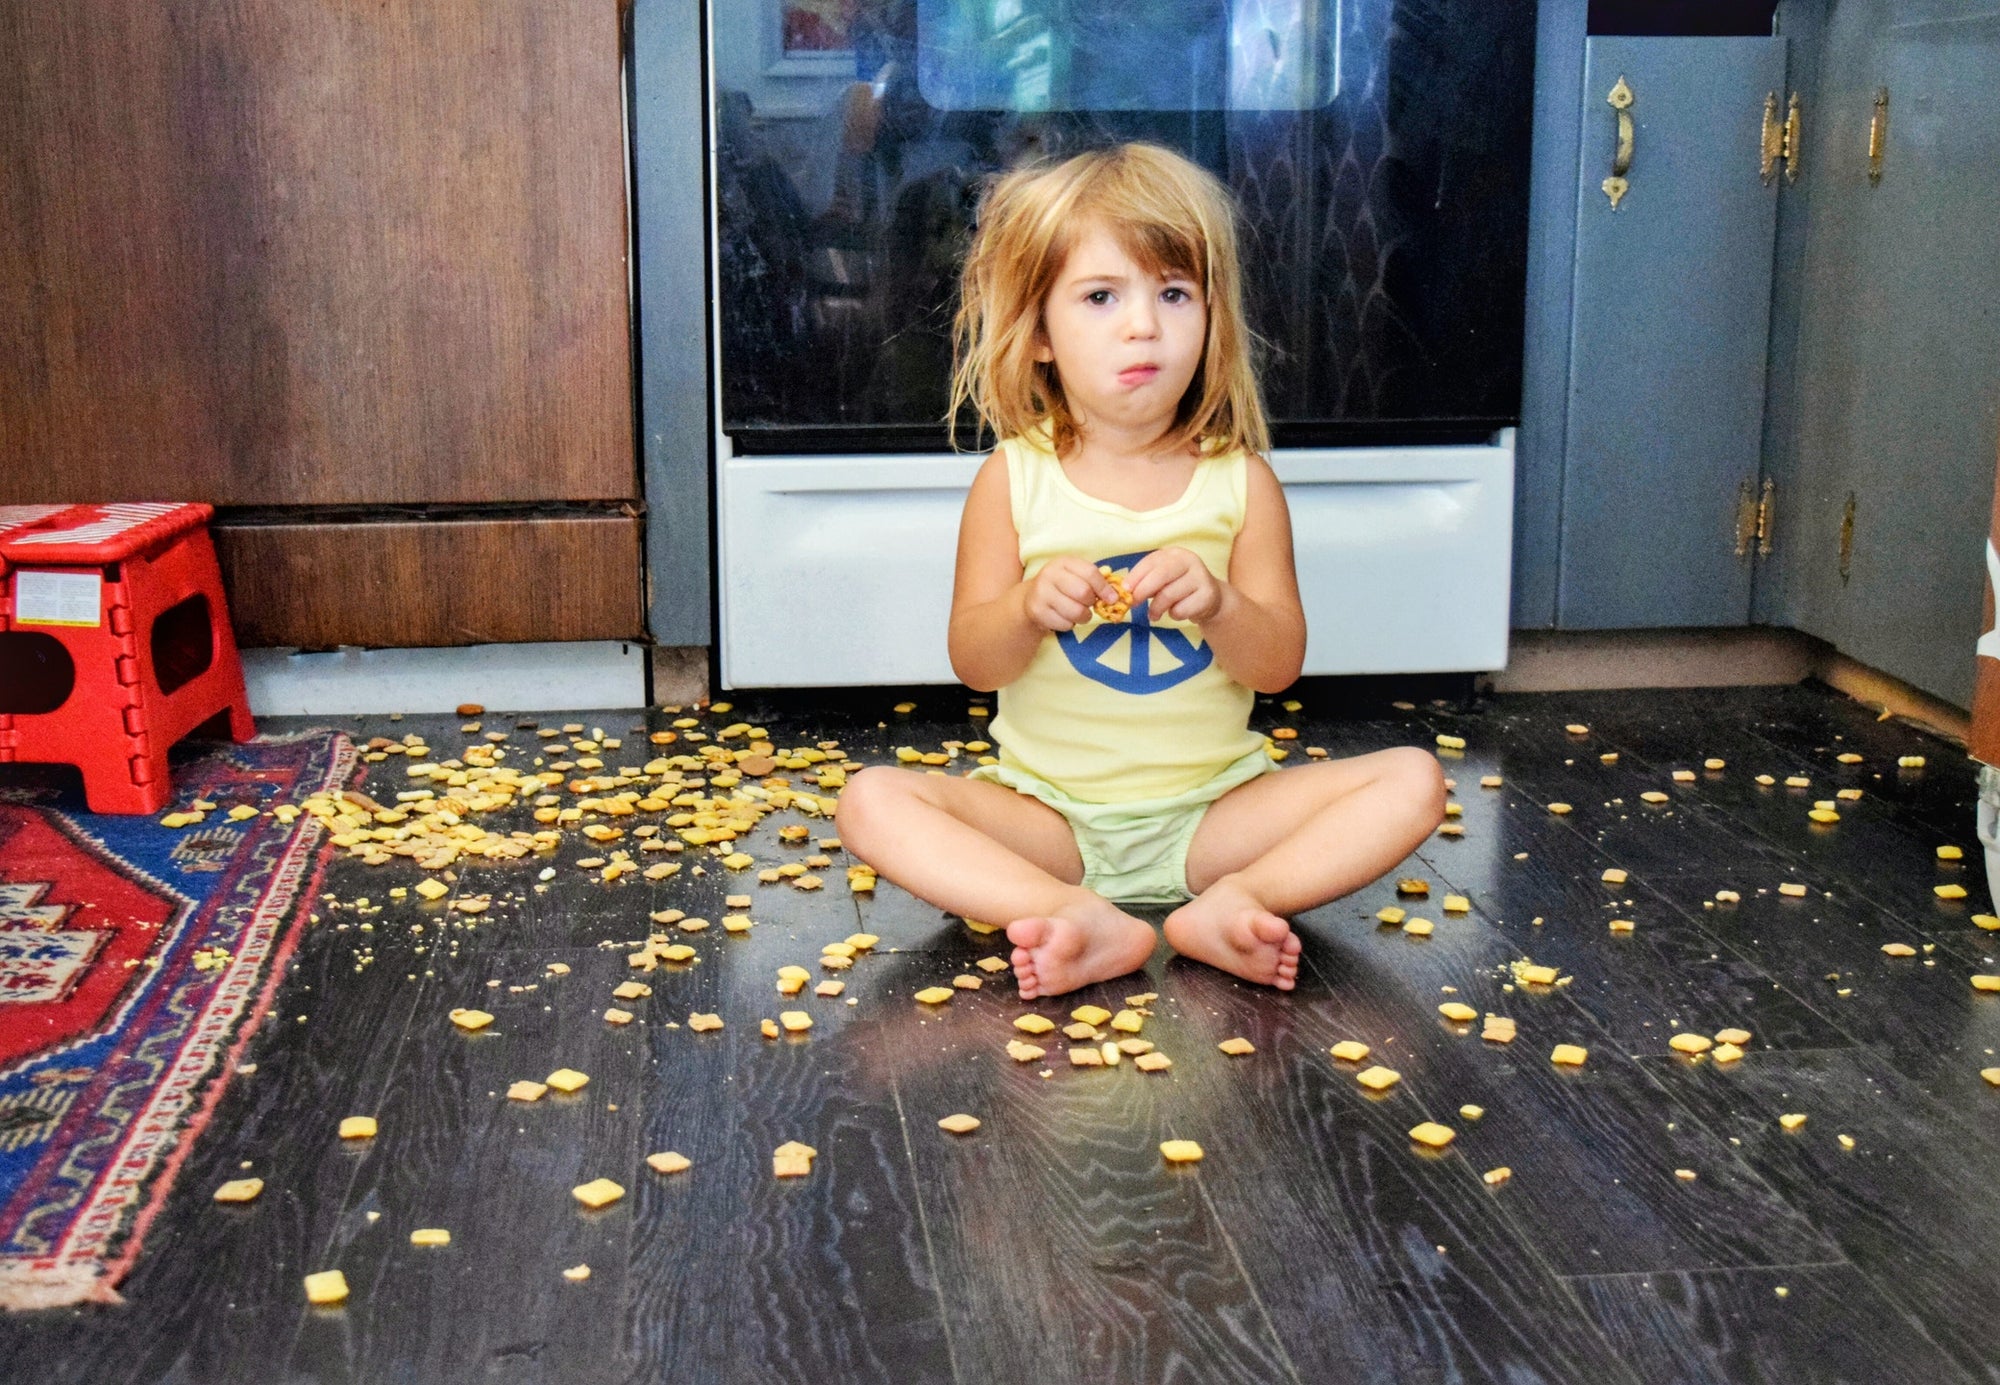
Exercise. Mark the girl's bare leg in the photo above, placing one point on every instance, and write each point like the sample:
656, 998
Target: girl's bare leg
1284, 843
986, 852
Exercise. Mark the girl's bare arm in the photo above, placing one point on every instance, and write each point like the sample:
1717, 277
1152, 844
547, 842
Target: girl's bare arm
1259, 634
992, 639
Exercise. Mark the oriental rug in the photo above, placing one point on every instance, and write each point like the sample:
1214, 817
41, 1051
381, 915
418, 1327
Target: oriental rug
136, 959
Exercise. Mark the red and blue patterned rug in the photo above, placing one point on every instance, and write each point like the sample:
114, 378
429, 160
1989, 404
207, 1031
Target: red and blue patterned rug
135, 962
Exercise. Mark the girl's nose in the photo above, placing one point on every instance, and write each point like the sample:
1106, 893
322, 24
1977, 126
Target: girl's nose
1141, 320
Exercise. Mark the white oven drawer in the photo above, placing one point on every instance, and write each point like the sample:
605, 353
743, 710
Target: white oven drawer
838, 570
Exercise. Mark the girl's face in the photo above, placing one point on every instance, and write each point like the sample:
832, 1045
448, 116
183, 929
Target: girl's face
1125, 342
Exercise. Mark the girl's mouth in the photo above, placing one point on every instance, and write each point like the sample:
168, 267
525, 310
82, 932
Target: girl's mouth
1137, 375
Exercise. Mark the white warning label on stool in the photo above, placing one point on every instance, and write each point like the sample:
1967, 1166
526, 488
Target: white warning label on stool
58, 598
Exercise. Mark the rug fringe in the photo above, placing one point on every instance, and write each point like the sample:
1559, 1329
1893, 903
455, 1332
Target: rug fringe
25, 1287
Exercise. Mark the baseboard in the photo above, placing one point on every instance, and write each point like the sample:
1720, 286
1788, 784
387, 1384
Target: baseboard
1581, 660
567, 676
680, 674
1578, 660
1892, 695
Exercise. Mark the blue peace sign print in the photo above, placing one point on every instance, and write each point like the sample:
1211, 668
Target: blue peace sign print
1087, 655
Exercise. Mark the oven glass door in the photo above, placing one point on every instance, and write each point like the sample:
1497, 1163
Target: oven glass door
1378, 150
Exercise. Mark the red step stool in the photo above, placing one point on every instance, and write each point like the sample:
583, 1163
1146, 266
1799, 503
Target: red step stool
114, 644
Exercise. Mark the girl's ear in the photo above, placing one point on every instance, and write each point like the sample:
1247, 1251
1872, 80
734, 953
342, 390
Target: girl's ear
1043, 351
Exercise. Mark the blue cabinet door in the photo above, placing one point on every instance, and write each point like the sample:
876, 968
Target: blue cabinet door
1881, 538
1669, 330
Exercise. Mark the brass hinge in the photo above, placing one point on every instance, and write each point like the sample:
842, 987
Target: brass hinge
1746, 517
1795, 144
1847, 538
1773, 144
1766, 509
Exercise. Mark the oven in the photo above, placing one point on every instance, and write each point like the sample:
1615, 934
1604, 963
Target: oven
1378, 150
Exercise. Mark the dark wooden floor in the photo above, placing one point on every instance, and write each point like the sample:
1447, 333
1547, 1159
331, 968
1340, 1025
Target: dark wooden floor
1315, 1243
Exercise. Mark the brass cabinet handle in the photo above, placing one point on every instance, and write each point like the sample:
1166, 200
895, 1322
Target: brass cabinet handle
1616, 186
1878, 134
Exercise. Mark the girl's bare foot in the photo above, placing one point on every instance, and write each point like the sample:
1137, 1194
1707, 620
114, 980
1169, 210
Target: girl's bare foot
1093, 941
1226, 927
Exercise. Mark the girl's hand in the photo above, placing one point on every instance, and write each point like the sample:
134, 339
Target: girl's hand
1061, 594
1177, 584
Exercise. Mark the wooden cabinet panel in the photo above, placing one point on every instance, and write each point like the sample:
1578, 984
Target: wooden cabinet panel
269, 254
440, 582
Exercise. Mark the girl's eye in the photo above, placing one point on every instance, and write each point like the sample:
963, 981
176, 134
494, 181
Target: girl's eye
1098, 297
1177, 295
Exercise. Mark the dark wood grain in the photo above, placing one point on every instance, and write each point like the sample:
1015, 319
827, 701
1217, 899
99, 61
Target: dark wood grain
1375, 1261
1314, 1242
289, 254
1730, 1327
1912, 1204
316, 585
1065, 1246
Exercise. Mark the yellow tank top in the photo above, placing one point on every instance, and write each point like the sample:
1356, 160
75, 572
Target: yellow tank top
1114, 712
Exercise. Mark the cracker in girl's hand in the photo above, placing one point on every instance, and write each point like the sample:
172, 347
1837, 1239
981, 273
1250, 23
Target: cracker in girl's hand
1121, 606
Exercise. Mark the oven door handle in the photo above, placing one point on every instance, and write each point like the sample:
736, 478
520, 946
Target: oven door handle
1617, 185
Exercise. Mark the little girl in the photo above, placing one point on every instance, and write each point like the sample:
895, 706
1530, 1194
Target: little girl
1101, 335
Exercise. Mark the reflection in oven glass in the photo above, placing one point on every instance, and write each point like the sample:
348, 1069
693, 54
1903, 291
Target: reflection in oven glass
1378, 150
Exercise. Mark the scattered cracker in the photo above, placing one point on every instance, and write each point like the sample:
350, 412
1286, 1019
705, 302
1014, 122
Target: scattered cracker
430, 1236
357, 1128
576, 1274
1792, 1121
1690, 1044
829, 988
1458, 1012
1237, 1047
1349, 1051
527, 1091
1159, 1062
1378, 1078
471, 1020
240, 1190
326, 1288
1034, 1024
614, 1015
1180, 1151
1432, 1134
631, 990
667, 1161
1085, 1058
1495, 1177
795, 1021
1022, 1052
1738, 1037
568, 1080
991, 965
966, 982
934, 995
1418, 928
1569, 1055
959, 1124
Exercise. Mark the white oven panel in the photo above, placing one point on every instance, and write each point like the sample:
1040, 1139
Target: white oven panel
838, 570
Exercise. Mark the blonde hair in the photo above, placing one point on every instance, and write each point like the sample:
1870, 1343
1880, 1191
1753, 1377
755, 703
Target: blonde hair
1169, 215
